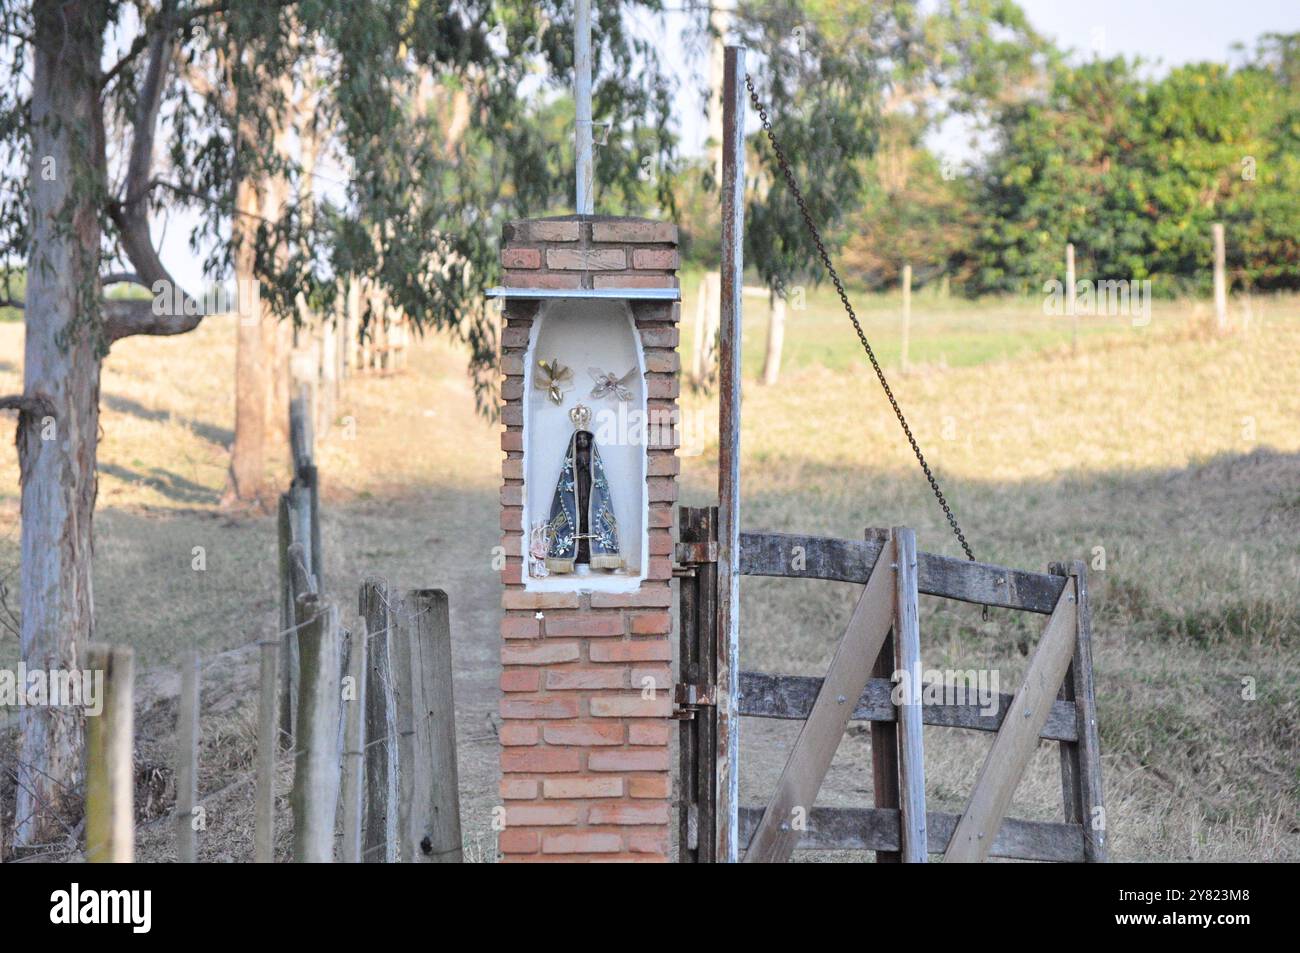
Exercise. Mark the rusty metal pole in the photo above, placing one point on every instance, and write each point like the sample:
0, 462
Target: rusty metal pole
733, 268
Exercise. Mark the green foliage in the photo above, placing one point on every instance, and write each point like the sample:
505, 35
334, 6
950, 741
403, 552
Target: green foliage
1135, 170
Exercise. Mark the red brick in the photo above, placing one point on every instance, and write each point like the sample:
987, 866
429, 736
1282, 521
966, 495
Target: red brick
648, 760
661, 543
661, 567
572, 679
521, 627
661, 489
634, 231
656, 336
512, 415
545, 707
648, 733
582, 843
653, 650
512, 544
541, 653
539, 279
519, 734
518, 842
627, 813
521, 258
512, 468
657, 786
631, 706
661, 516
576, 788
515, 337
540, 815
662, 463
540, 761
585, 624
634, 281
512, 440
523, 599
660, 675
659, 360
553, 231
512, 518
648, 842
651, 623
512, 573
584, 733
524, 681
661, 385
519, 789
586, 259
649, 596
664, 259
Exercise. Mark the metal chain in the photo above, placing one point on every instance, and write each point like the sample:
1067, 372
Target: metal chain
839, 287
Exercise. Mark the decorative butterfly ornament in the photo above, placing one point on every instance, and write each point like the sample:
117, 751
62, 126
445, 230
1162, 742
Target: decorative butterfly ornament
608, 383
554, 378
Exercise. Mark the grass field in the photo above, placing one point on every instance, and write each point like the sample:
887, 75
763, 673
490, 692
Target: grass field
1175, 451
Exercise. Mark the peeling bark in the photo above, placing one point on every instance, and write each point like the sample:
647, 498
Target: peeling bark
56, 452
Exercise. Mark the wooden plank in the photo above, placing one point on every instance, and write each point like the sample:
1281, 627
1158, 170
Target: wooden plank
314, 799
380, 840
433, 834
729, 347
1092, 799
267, 750
1017, 738
907, 660
697, 597
187, 758
775, 839
110, 772
846, 560
885, 791
354, 749
858, 828
791, 697
289, 637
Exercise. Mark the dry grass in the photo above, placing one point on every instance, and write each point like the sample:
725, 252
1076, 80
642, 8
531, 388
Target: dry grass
1143, 445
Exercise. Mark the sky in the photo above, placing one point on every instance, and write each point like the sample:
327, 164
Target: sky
1165, 32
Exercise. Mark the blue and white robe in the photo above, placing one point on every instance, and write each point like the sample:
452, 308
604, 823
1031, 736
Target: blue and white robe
563, 526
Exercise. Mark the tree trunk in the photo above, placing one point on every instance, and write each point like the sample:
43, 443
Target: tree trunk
56, 448
255, 345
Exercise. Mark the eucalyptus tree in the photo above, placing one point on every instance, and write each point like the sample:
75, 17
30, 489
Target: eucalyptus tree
93, 93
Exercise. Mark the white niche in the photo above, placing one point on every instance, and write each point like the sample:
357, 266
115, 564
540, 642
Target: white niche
588, 333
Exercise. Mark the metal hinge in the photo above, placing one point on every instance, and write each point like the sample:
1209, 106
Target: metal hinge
701, 552
688, 699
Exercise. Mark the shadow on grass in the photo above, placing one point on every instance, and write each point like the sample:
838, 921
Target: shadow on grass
220, 436
169, 484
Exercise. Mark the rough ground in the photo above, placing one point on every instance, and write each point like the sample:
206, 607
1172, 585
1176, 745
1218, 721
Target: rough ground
1176, 451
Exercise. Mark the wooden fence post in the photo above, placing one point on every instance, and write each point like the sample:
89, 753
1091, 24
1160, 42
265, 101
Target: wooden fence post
187, 758
316, 774
1220, 280
267, 750
907, 660
1070, 306
288, 647
381, 840
907, 314
354, 750
429, 810
110, 774
775, 339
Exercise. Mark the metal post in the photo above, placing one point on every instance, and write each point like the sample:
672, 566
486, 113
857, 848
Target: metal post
733, 268
582, 103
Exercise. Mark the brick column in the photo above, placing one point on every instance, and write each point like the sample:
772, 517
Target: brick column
584, 752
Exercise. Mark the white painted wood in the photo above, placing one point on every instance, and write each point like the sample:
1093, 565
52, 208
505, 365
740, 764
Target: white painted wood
907, 660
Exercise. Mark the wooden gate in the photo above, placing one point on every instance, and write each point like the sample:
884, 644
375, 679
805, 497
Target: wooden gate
1055, 702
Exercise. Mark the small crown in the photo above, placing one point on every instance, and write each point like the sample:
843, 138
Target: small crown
581, 416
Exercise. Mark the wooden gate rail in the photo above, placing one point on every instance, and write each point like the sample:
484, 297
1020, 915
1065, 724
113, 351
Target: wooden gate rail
1056, 703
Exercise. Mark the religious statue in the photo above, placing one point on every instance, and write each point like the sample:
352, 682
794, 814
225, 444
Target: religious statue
582, 528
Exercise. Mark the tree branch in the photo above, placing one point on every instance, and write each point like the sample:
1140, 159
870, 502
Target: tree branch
33, 404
